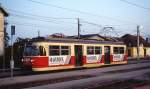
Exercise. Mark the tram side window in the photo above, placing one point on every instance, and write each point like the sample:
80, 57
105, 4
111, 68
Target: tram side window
90, 50
118, 50
42, 51
121, 50
59, 50
65, 50
98, 50
54, 50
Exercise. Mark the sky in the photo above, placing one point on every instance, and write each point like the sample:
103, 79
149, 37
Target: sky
60, 16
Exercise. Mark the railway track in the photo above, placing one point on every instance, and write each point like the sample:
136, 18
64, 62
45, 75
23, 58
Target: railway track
120, 84
21, 72
102, 85
43, 82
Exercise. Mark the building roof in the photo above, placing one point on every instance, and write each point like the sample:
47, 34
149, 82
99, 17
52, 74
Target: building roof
3, 11
57, 35
131, 40
89, 35
95, 37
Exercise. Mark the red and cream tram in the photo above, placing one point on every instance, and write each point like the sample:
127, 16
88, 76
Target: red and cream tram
61, 53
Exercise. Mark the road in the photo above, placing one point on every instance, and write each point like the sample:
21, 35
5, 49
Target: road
136, 73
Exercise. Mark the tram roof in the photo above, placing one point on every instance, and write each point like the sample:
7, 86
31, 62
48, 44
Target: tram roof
71, 40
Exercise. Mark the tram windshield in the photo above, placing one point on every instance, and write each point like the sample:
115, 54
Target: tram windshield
34, 51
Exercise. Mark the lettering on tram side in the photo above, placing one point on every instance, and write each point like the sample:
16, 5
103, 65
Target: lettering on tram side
93, 58
56, 59
59, 60
118, 57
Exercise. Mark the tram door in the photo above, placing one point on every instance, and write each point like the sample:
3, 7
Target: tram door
107, 54
78, 55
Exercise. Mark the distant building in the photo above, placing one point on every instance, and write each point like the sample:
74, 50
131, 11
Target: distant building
57, 35
148, 40
131, 43
96, 37
3, 14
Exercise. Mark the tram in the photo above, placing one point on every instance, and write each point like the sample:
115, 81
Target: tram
65, 53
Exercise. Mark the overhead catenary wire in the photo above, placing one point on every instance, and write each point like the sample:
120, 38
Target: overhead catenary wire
136, 5
39, 27
38, 19
46, 19
35, 25
81, 12
41, 19
26, 17
91, 23
53, 17
30, 14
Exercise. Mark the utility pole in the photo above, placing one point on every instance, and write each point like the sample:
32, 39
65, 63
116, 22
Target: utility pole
38, 33
78, 28
138, 41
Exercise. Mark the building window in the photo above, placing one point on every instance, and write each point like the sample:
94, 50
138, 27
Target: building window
129, 44
118, 50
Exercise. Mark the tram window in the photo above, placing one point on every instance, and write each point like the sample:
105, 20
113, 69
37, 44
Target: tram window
65, 50
65, 47
27, 51
121, 50
118, 50
31, 51
54, 50
42, 51
98, 50
90, 50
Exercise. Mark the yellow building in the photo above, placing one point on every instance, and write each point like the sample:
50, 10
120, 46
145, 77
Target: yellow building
131, 43
3, 13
